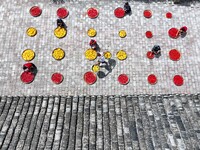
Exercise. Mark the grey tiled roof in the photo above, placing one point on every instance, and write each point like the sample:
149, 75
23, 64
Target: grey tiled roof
100, 122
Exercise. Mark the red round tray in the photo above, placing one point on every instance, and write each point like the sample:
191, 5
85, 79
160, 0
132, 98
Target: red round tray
92, 13
57, 78
90, 77
35, 11
152, 79
169, 15
123, 79
149, 34
147, 13
173, 33
27, 77
62, 13
119, 12
178, 80
150, 55
174, 55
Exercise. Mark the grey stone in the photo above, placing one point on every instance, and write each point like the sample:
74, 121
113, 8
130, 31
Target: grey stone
106, 126
33, 124
85, 138
9, 125
99, 122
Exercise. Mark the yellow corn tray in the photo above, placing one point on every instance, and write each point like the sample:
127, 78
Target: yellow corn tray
58, 54
95, 68
28, 55
90, 54
31, 31
122, 33
107, 55
60, 32
91, 32
121, 55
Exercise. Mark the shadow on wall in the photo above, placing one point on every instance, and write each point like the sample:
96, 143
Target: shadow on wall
179, 2
59, 1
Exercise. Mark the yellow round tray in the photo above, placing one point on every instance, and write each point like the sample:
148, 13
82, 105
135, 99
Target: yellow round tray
58, 54
60, 32
28, 55
95, 68
31, 31
90, 54
92, 32
122, 33
121, 55
107, 55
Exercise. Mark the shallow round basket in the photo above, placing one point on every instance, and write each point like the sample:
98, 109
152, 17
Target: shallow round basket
58, 54
147, 13
28, 55
90, 77
174, 55
152, 79
62, 13
31, 31
119, 12
60, 32
121, 55
90, 54
95, 68
107, 55
178, 80
123, 79
27, 77
150, 55
92, 13
173, 33
92, 32
122, 33
57, 78
149, 34
35, 11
